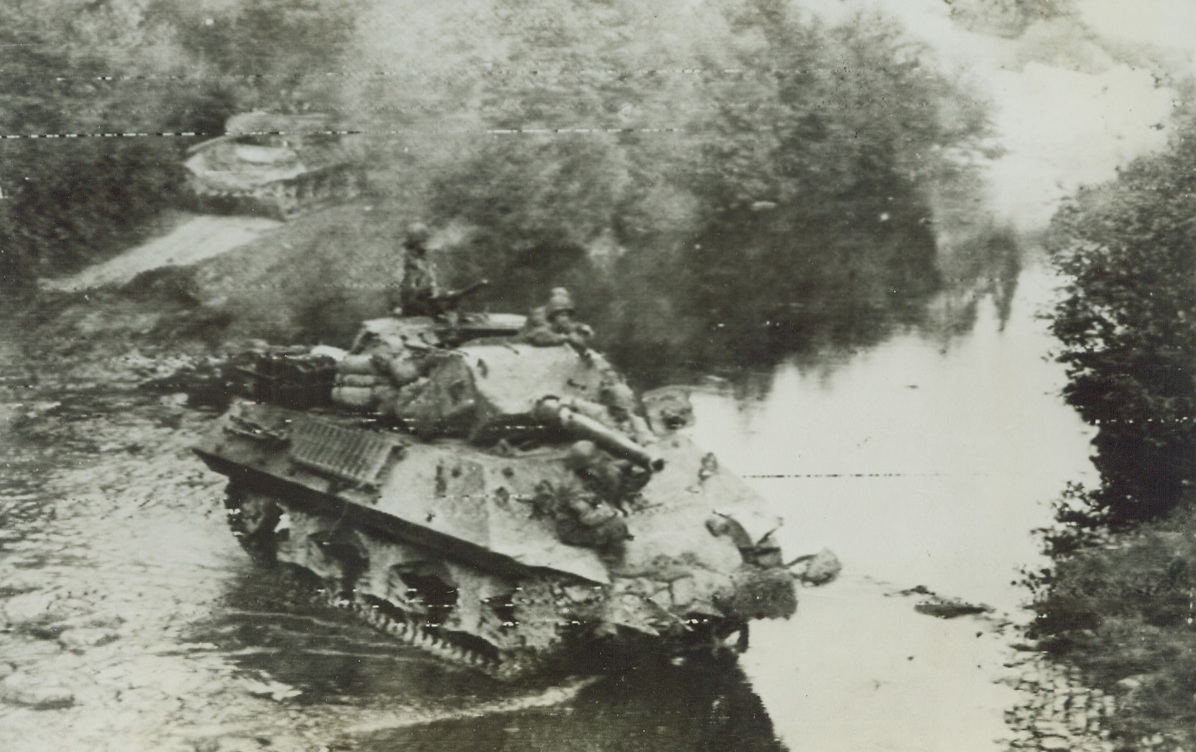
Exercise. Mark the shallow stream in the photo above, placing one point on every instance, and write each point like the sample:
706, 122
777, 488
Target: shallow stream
135, 622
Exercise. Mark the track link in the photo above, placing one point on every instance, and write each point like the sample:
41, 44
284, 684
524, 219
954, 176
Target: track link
505, 668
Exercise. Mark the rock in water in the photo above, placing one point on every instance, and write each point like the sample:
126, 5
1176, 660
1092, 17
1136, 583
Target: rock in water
949, 608
22, 689
821, 568
81, 639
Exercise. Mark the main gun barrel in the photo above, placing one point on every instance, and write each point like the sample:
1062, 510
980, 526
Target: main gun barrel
551, 410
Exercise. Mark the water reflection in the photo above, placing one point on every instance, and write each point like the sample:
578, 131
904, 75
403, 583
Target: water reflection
373, 694
652, 709
272, 625
929, 457
756, 290
924, 460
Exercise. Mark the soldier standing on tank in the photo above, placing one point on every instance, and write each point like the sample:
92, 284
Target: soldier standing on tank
419, 288
553, 324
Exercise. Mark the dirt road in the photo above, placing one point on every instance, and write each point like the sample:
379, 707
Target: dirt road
192, 239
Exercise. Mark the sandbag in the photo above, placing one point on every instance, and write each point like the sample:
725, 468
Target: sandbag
402, 370
356, 364
356, 379
354, 397
385, 397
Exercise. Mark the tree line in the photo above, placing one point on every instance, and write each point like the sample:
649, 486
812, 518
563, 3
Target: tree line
1127, 326
733, 173
726, 168
95, 97
1117, 599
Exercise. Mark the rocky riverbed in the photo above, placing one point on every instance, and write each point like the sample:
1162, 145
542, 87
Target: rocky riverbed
1058, 711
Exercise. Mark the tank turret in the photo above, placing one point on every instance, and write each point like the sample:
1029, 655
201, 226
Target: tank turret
499, 503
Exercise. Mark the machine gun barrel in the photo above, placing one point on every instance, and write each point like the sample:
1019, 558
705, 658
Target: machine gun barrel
552, 411
454, 296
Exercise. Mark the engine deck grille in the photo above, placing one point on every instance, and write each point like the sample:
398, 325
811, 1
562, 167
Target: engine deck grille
347, 453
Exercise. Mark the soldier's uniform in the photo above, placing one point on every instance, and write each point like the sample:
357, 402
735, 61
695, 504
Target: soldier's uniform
553, 324
419, 288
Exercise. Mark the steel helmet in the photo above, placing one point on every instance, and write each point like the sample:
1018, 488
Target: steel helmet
417, 234
559, 301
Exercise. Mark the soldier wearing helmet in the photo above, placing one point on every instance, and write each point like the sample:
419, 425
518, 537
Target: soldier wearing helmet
622, 407
419, 288
553, 323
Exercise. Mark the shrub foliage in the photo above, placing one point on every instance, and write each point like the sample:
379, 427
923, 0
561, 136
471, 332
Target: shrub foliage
1127, 324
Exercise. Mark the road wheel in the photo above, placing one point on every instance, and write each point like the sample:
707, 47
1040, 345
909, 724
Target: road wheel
253, 518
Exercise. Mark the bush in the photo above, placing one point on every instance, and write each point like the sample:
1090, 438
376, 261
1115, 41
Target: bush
1149, 578
78, 200
1127, 324
1120, 599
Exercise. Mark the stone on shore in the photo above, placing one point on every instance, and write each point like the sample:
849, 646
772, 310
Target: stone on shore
81, 639
22, 689
31, 609
821, 568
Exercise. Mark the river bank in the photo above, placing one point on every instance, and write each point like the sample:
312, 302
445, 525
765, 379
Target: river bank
1119, 611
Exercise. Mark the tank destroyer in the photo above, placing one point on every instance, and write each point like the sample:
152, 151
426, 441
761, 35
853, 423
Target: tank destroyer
495, 502
272, 164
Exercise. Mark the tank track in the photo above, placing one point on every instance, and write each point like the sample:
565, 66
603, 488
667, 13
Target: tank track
507, 668
284, 199
520, 635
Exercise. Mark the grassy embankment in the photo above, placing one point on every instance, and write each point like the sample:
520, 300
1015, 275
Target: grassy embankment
1120, 600
1123, 611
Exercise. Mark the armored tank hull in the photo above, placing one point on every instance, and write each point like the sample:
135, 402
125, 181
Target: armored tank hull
274, 165
480, 513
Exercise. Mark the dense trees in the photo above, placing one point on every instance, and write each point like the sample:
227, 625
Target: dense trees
1128, 328
759, 167
827, 185
65, 197
1117, 600
738, 168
